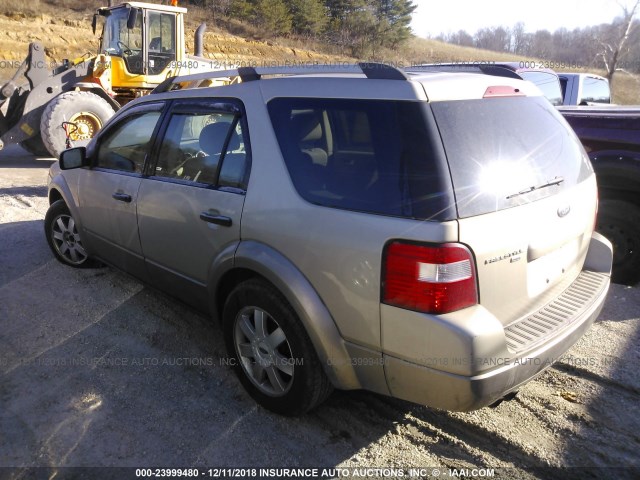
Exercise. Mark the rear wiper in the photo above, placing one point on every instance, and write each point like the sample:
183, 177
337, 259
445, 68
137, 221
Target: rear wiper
555, 181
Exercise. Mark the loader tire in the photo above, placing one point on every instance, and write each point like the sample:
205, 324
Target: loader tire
35, 146
87, 110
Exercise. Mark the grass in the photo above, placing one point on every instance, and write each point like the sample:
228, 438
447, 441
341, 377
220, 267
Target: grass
11, 8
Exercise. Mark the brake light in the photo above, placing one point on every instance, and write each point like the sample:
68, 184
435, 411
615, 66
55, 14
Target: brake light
429, 279
502, 91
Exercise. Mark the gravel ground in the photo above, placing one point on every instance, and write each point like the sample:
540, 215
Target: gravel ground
98, 370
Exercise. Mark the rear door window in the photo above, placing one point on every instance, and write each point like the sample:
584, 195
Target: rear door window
374, 156
204, 143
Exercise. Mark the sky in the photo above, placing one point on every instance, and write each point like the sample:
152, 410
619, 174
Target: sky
433, 17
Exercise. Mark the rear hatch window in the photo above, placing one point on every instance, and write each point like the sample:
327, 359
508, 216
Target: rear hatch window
504, 152
375, 156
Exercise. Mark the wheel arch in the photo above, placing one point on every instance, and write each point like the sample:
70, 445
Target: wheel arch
54, 196
59, 190
618, 174
253, 259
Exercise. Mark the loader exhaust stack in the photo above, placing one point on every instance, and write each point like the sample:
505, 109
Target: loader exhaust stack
199, 40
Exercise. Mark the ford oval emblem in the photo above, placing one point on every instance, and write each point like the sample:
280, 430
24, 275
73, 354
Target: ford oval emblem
564, 211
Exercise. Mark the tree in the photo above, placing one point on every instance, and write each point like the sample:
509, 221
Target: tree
520, 39
542, 45
394, 20
309, 16
463, 38
494, 38
241, 9
273, 17
351, 24
615, 47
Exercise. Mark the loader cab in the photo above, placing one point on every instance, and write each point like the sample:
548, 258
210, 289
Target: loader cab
145, 42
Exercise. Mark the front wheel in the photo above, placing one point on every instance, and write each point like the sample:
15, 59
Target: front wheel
619, 221
87, 112
271, 352
63, 237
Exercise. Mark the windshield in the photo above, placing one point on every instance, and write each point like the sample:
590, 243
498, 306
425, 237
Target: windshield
117, 39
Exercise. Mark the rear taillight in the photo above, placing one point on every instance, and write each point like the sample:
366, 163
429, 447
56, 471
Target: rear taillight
429, 279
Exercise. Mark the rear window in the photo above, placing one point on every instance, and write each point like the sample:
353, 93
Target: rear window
595, 90
502, 151
374, 156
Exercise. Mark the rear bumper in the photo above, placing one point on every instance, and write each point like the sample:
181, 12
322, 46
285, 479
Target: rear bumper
494, 372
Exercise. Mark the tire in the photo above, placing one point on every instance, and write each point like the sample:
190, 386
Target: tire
35, 146
619, 221
85, 109
260, 327
63, 237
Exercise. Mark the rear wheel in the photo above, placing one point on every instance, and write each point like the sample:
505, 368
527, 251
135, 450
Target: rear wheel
271, 352
63, 237
619, 221
86, 110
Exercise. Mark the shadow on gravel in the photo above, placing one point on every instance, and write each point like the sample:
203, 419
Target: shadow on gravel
26, 161
609, 434
13, 156
623, 303
27, 191
23, 248
451, 439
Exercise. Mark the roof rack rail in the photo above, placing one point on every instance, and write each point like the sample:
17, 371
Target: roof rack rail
374, 71
486, 69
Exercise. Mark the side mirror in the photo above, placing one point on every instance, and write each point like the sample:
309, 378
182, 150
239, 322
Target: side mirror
131, 20
94, 23
73, 158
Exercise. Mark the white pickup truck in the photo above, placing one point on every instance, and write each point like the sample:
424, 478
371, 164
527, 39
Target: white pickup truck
584, 89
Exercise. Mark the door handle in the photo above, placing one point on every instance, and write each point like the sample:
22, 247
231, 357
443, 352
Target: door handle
122, 197
217, 219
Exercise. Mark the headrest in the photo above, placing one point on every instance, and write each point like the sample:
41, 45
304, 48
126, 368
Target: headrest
307, 127
212, 138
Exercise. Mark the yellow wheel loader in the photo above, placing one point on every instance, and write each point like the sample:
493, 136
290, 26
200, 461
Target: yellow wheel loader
141, 45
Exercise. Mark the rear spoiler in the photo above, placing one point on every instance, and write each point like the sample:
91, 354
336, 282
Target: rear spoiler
488, 69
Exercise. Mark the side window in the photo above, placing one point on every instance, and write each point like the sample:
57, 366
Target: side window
374, 156
204, 147
125, 147
162, 41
